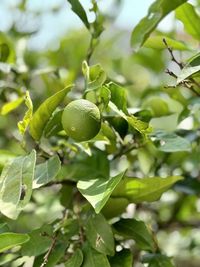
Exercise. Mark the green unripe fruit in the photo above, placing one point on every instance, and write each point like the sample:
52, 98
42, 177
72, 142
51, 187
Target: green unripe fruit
81, 120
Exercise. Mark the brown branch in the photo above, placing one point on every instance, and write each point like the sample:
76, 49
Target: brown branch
126, 150
62, 182
46, 256
172, 55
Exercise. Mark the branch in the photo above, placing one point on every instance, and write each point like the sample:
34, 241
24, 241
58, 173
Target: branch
46, 256
62, 182
172, 55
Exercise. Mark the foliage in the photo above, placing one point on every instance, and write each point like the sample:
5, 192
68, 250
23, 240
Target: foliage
128, 195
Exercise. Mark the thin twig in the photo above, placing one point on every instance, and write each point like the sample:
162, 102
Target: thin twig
62, 182
171, 73
180, 64
126, 150
46, 256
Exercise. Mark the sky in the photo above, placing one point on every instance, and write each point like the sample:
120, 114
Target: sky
51, 27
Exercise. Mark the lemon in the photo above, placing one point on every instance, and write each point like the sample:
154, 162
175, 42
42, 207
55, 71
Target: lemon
81, 120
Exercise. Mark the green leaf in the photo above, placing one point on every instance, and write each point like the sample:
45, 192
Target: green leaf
5, 157
98, 191
10, 240
114, 207
75, 260
4, 52
157, 11
124, 258
137, 230
54, 124
156, 42
47, 171
56, 254
157, 260
88, 167
118, 96
190, 19
16, 185
170, 142
138, 190
194, 60
95, 76
38, 242
10, 106
44, 112
92, 258
186, 73
22, 125
4, 228
79, 11
99, 234
141, 126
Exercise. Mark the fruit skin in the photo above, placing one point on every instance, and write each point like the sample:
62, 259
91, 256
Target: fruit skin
81, 120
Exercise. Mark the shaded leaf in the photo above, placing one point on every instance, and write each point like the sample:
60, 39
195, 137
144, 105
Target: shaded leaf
157, 260
75, 260
38, 242
44, 112
88, 167
99, 234
10, 240
98, 191
47, 171
137, 230
92, 258
79, 11
4, 52
114, 207
118, 96
190, 19
135, 123
16, 185
138, 190
157, 11
124, 258
54, 124
170, 142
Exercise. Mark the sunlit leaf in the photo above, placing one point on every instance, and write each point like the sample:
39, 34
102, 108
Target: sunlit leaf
10, 240
156, 42
47, 171
16, 185
22, 125
190, 19
170, 142
98, 191
186, 72
138, 190
157, 11
10, 106
44, 112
